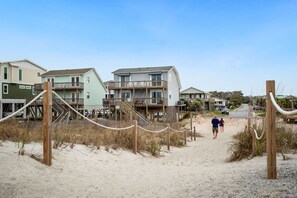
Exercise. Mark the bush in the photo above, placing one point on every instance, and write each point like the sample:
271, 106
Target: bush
241, 146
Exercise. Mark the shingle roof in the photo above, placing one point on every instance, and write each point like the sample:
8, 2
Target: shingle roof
143, 69
66, 72
24, 60
192, 90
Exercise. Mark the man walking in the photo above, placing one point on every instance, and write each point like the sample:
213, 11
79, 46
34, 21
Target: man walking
215, 126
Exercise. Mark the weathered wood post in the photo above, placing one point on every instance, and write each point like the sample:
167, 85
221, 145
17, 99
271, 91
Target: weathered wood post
47, 122
168, 137
185, 136
194, 133
254, 143
191, 125
135, 137
270, 131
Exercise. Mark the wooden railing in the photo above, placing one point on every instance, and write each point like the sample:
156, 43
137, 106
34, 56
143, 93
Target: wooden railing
62, 86
139, 102
137, 84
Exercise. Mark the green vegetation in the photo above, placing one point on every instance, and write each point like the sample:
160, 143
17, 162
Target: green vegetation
241, 147
80, 132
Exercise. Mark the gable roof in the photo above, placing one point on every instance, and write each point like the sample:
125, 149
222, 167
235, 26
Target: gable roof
24, 60
192, 90
143, 69
66, 72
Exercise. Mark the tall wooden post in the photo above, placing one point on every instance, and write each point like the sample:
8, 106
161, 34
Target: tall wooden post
254, 144
270, 131
185, 136
135, 137
194, 133
168, 137
47, 122
191, 125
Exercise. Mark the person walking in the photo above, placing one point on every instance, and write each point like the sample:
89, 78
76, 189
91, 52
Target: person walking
215, 126
221, 124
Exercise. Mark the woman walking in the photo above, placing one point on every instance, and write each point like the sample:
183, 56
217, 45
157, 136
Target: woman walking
221, 124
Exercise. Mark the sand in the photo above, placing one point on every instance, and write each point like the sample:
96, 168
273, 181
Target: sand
197, 170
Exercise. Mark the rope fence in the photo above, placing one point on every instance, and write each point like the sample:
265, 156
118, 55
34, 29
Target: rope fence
24, 107
47, 124
279, 109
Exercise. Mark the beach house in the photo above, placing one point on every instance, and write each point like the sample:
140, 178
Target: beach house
151, 91
17, 79
81, 88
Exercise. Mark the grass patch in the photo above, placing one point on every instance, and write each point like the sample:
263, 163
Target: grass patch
82, 132
241, 146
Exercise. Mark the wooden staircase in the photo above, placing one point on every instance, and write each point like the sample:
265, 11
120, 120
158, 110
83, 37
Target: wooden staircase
132, 114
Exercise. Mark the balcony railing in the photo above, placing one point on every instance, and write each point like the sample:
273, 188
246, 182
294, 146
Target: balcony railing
71, 101
62, 86
137, 84
139, 102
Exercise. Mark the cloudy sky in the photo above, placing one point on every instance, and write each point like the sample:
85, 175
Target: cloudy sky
221, 45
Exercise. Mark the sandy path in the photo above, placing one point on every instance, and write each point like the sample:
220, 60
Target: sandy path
197, 170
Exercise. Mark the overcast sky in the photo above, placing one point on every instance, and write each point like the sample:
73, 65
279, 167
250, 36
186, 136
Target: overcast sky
214, 44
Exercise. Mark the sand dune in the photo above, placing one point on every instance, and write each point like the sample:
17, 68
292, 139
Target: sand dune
197, 170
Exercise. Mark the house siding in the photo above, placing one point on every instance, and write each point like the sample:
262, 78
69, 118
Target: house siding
97, 93
18, 91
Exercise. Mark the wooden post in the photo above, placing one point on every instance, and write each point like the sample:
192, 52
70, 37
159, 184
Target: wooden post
47, 121
177, 120
135, 137
194, 133
270, 131
185, 134
168, 137
254, 144
191, 125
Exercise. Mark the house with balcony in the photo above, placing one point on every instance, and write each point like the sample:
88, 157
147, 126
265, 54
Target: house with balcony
148, 90
191, 93
17, 79
81, 88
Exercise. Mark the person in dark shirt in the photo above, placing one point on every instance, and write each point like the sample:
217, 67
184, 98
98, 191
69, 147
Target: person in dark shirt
221, 125
215, 126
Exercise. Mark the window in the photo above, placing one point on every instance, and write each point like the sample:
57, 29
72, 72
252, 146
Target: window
5, 73
88, 79
125, 96
20, 75
156, 79
75, 81
5, 89
38, 74
33, 90
51, 80
88, 95
157, 97
124, 81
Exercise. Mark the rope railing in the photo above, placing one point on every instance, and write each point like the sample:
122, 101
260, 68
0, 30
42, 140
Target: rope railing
280, 109
150, 131
256, 133
18, 111
88, 119
177, 131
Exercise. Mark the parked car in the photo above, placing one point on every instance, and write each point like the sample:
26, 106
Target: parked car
105, 113
158, 115
257, 107
225, 111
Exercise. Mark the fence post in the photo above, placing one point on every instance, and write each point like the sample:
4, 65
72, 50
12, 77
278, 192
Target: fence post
270, 131
194, 133
254, 144
185, 134
47, 121
191, 125
168, 137
135, 137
